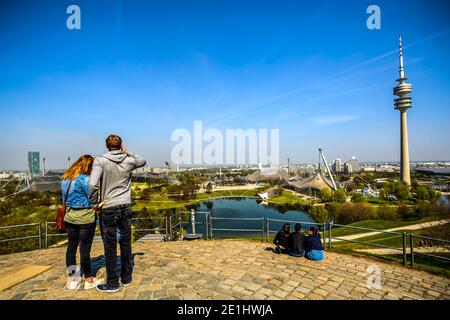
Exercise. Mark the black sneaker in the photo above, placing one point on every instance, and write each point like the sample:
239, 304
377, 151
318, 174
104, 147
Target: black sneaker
126, 284
106, 288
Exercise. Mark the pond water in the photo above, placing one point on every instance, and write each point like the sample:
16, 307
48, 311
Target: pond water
245, 208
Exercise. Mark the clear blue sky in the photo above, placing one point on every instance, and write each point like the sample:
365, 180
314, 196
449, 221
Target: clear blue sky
144, 68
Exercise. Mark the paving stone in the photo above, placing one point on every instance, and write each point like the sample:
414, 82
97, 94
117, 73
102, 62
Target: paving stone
229, 269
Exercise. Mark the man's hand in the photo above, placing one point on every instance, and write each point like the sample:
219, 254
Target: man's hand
124, 150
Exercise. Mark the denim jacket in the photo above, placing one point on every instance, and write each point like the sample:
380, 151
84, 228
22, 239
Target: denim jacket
78, 194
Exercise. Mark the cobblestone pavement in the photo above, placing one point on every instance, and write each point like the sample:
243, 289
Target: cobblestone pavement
229, 269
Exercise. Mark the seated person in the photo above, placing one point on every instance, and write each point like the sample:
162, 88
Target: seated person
281, 239
313, 245
296, 242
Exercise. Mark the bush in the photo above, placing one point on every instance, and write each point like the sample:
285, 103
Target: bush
406, 213
358, 197
427, 208
339, 196
387, 213
325, 195
318, 214
353, 212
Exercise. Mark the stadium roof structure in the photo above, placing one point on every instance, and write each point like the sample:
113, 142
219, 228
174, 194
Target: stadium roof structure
267, 175
317, 182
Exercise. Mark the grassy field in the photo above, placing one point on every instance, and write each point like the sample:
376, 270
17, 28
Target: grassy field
422, 261
379, 225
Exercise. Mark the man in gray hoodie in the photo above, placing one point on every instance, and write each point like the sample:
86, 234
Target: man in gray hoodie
111, 173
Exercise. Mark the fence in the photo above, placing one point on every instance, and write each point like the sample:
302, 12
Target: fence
172, 228
34, 234
402, 235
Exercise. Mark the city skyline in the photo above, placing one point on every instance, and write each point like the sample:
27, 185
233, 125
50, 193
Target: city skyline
142, 70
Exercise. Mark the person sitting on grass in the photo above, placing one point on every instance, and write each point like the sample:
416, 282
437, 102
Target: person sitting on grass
313, 245
281, 239
296, 242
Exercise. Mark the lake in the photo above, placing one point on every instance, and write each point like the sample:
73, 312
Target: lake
244, 208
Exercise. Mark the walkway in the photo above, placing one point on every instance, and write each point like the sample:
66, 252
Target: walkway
410, 227
228, 269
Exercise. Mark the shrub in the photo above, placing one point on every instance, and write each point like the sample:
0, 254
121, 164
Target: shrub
358, 197
325, 195
318, 214
387, 213
353, 212
339, 196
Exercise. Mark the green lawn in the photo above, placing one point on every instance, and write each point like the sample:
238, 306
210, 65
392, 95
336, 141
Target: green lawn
422, 261
379, 225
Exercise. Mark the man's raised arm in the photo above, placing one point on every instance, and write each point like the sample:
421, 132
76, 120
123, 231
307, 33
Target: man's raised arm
138, 160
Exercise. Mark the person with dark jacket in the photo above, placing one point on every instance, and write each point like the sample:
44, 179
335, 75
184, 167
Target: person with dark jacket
281, 239
296, 242
313, 245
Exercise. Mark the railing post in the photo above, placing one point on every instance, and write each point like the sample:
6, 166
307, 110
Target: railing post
262, 229
193, 221
411, 244
167, 228
324, 236
46, 235
170, 228
210, 226
268, 230
40, 236
330, 226
404, 248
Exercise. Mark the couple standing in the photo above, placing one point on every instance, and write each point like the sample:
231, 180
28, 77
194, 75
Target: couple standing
100, 186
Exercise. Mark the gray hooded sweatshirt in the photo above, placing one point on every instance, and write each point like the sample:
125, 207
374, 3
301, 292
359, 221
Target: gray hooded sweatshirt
112, 173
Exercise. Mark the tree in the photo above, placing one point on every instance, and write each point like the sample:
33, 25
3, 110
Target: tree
339, 196
325, 195
358, 197
422, 193
401, 190
209, 187
318, 213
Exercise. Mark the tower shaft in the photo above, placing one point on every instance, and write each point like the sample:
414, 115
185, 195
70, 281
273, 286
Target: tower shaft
404, 150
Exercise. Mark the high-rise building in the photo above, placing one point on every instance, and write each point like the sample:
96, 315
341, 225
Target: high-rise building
348, 168
403, 103
355, 164
337, 165
34, 162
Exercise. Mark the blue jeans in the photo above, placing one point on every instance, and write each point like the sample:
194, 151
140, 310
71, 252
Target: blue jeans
315, 255
113, 219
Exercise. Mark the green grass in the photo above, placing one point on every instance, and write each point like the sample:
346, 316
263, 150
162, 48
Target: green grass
379, 225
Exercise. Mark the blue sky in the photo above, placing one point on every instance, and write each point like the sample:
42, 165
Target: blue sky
145, 68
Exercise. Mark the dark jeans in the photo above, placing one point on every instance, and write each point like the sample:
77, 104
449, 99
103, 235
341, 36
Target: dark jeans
81, 234
111, 219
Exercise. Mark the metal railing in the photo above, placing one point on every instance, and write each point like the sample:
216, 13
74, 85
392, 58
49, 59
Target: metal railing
33, 236
262, 229
413, 237
402, 234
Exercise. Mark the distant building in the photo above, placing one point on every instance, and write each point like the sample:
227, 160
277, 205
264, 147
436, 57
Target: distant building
34, 162
348, 168
337, 165
355, 164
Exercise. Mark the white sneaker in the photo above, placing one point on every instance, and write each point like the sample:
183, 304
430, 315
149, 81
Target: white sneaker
95, 282
73, 283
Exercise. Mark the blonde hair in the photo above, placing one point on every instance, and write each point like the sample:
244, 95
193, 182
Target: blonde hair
82, 166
